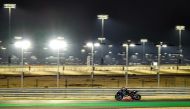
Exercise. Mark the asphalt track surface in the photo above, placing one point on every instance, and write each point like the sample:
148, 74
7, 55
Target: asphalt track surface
90, 104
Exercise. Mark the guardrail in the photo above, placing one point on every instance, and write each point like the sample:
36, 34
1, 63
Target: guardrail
87, 92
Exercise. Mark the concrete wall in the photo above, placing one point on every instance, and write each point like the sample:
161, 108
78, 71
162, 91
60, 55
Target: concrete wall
99, 81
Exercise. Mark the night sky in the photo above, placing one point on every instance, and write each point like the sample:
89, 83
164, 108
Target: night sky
76, 20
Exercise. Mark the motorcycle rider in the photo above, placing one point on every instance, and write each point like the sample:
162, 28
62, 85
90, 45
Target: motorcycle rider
122, 94
124, 91
126, 95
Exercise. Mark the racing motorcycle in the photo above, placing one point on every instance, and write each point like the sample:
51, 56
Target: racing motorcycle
124, 92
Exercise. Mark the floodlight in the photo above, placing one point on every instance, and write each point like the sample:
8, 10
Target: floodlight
180, 27
82, 50
9, 6
23, 44
89, 44
101, 38
97, 44
102, 17
124, 45
132, 45
144, 40
164, 45
18, 37
60, 38
110, 46
57, 44
3, 48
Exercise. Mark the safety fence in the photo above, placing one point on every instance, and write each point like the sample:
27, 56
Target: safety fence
88, 92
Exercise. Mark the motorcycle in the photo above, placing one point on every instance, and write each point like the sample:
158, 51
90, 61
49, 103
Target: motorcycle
123, 93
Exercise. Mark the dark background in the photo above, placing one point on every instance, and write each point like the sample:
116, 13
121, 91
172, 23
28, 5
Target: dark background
76, 20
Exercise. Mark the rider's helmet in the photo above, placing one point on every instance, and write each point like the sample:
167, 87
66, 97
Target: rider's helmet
123, 88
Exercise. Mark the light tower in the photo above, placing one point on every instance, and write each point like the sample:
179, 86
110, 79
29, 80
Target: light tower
58, 44
127, 45
92, 45
10, 7
158, 65
180, 28
23, 44
143, 41
102, 38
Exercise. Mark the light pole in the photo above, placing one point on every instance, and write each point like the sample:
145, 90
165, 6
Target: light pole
158, 64
83, 57
102, 38
3, 48
180, 28
102, 18
58, 44
92, 45
149, 58
9, 7
24, 44
127, 45
143, 41
3, 52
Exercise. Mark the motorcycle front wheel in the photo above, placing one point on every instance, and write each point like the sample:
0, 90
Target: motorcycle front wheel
137, 97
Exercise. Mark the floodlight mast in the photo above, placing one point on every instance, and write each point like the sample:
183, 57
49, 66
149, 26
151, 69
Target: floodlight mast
102, 18
58, 44
159, 59
127, 45
92, 45
24, 44
143, 41
10, 7
180, 28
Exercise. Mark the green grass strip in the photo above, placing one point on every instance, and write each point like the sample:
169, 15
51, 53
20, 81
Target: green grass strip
109, 104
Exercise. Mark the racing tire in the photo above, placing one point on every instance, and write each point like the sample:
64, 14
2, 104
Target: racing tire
137, 97
118, 97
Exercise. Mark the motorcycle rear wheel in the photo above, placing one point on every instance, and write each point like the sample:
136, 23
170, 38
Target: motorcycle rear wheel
118, 97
